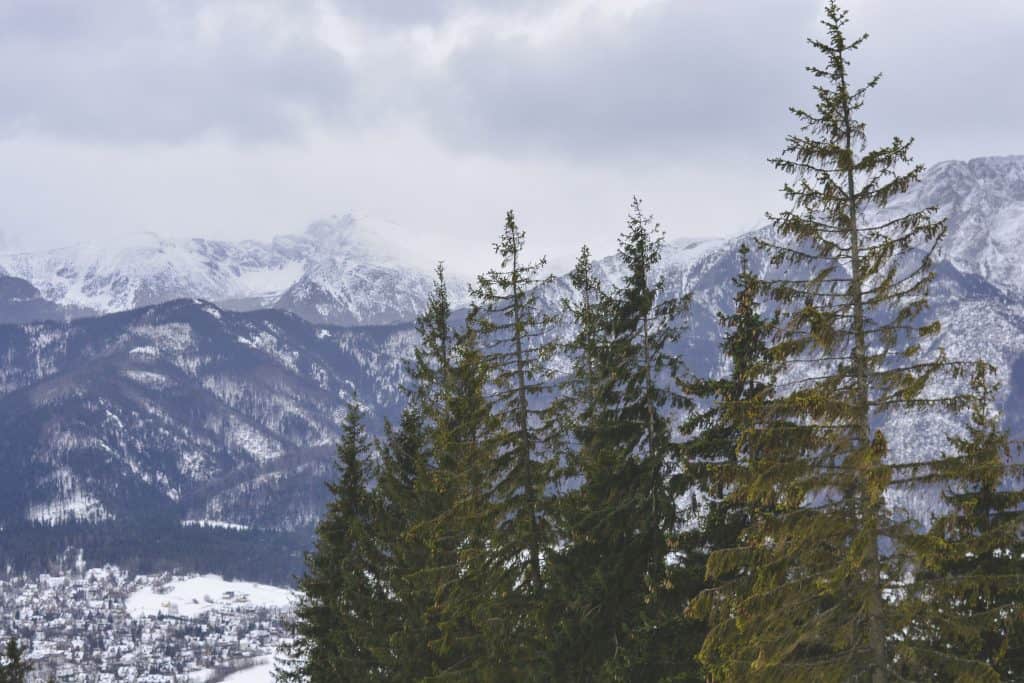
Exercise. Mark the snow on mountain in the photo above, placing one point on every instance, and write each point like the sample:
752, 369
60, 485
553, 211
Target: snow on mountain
348, 270
193, 412
983, 200
20, 302
183, 411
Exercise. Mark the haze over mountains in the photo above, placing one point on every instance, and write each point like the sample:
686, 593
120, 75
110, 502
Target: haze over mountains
344, 270
218, 400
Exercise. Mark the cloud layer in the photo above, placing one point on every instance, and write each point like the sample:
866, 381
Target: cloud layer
250, 117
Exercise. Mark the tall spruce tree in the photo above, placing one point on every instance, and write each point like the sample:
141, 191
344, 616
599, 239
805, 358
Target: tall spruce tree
403, 500
829, 554
712, 454
579, 388
574, 654
467, 599
515, 336
972, 560
622, 616
583, 381
338, 616
432, 357
412, 495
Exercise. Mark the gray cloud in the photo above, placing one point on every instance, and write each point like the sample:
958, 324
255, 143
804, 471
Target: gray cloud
688, 78
671, 79
147, 70
428, 12
677, 78
246, 118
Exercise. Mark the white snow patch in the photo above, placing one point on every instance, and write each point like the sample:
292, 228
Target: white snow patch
262, 673
72, 506
214, 524
196, 595
147, 378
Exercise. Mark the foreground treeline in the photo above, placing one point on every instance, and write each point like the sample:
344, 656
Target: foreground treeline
587, 510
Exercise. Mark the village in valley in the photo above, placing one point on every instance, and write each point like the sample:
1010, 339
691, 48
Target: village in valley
102, 625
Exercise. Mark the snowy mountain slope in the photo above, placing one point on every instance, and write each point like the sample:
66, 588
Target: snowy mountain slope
983, 200
20, 302
349, 270
170, 411
188, 412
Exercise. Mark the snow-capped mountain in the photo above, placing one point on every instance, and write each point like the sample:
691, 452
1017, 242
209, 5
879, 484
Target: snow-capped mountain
348, 271
983, 201
184, 411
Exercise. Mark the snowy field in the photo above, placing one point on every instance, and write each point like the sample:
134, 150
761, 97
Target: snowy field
192, 596
264, 673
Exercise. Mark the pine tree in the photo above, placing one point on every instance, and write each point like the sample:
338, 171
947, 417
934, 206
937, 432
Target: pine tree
827, 552
432, 357
342, 591
712, 452
514, 332
467, 598
575, 655
13, 669
579, 389
403, 501
417, 494
972, 561
583, 381
622, 618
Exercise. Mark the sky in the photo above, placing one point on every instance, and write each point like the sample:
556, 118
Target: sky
245, 119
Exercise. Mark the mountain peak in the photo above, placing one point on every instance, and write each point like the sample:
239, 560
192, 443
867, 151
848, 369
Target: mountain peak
345, 269
332, 228
361, 237
983, 202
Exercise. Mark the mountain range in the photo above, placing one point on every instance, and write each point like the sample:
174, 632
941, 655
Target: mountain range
200, 384
345, 270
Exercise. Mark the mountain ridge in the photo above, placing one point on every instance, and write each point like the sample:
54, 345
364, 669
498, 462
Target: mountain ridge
186, 411
345, 270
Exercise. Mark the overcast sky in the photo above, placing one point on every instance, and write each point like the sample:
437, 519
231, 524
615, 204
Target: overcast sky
250, 118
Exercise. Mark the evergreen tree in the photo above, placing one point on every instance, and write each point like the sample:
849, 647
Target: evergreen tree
403, 499
13, 669
575, 655
583, 382
827, 552
514, 333
342, 591
432, 357
972, 561
712, 452
467, 599
579, 391
622, 619
417, 495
